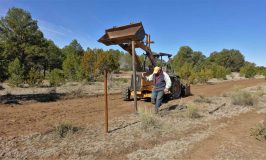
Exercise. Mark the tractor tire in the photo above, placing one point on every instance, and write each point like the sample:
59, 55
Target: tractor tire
186, 90
176, 89
126, 94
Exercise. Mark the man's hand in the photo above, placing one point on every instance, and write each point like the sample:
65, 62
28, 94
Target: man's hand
143, 75
166, 91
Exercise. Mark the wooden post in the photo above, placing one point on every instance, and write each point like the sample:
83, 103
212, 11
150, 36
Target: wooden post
134, 75
106, 102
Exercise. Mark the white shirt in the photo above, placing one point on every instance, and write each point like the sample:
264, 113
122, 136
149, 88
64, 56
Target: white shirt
166, 78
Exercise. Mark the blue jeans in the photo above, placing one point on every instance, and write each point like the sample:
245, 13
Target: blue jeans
157, 98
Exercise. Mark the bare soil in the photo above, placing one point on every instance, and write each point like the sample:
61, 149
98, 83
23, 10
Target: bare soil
232, 141
230, 136
23, 119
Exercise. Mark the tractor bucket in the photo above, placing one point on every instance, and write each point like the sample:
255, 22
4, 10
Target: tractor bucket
123, 34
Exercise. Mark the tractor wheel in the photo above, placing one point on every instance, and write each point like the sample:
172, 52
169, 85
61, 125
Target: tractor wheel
126, 94
186, 90
176, 89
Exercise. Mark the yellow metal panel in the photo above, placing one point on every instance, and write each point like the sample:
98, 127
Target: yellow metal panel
138, 93
147, 95
146, 85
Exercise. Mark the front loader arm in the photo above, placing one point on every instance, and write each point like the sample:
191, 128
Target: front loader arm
148, 52
127, 48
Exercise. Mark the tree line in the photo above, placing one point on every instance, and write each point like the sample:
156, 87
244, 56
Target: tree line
26, 56
195, 67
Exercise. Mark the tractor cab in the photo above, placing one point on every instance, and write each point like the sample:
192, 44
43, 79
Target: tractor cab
162, 59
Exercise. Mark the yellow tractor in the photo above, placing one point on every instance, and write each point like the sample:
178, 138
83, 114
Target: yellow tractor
123, 36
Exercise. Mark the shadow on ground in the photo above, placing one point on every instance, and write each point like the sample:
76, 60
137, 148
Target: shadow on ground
122, 127
15, 99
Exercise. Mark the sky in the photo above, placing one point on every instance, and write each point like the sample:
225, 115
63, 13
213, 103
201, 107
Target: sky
204, 25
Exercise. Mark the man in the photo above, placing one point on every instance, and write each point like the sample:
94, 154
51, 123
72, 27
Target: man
162, 83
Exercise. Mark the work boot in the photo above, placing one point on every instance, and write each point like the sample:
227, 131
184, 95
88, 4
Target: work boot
156, 110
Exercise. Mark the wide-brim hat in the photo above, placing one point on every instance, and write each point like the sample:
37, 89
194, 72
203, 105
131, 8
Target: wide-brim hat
156, 70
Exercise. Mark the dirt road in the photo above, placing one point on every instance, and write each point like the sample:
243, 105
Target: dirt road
232, 141
27, 118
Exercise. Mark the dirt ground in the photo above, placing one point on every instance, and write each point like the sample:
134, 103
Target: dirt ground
226, 135
232, 141
40, 117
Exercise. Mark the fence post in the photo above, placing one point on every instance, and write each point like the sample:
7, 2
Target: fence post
106, 101
134, 75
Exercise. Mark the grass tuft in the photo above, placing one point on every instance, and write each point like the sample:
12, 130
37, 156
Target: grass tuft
226, 94
192, 112
243, 98
148, 120
259, 131
64, 129
202, 99
259, 92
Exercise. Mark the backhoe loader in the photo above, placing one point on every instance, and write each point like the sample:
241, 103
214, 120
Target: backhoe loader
123, 36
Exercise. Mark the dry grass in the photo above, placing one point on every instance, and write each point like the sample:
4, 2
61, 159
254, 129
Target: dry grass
259, 131
148, 120
64, 129
77, 92
1, 87
202, 99
244, 98
226, 94
235, 88
192, 112
259, 92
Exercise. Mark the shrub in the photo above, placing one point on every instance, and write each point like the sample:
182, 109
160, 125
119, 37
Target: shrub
261, 70
35, 77
65, 128
56, 77
186, 71
3, 70
259, 131
231, 59
249, 70
72, 68
219, 71
203, 75
243, 98
15, 70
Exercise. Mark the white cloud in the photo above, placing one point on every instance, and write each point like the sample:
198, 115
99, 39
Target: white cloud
62, 35
53, 29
